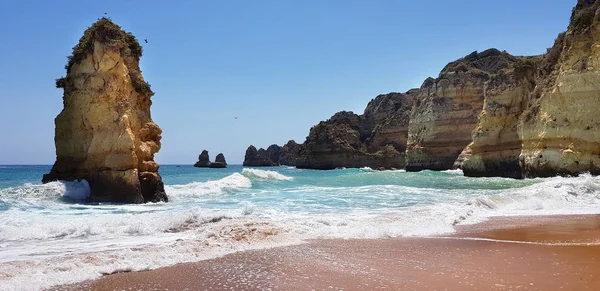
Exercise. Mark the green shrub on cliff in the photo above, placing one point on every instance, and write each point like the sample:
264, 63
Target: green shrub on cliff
583, 15
107, 32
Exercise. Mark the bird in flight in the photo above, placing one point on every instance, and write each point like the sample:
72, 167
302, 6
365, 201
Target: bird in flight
146, 40
236, 117
105, 13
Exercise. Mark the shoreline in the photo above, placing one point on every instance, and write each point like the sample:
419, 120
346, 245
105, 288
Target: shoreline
525, 253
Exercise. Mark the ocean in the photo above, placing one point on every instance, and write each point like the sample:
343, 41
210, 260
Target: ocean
50, 235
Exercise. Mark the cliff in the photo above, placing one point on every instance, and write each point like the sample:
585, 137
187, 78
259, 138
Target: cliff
355, 141
446, 110
489, 113
105, 133
262, 157
289, 153
496, 146
559, 132
539, 120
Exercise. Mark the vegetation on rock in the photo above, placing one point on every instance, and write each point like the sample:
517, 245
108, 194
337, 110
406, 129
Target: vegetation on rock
107, 32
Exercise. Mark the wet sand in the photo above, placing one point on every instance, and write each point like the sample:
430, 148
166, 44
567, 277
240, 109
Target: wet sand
525, 253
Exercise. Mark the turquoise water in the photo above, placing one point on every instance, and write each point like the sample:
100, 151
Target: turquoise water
51, 230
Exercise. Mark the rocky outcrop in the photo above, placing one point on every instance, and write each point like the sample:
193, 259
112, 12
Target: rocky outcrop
341, 142
220, 159
559, 131
259, 158
289, 153
489, 113
391, 117
496, 146
105, 133
219, 162
539, 119
274, 155
203, 160
446, 110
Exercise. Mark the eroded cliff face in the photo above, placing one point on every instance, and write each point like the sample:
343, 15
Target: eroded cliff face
391, 117
289, 153
560, 131
496, 146
340, 142
105, 133
261, 157
447, 108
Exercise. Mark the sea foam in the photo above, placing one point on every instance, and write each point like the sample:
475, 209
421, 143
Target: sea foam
265, 175
44, 232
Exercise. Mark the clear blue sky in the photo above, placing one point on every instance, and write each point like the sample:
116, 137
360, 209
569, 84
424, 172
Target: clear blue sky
279, 66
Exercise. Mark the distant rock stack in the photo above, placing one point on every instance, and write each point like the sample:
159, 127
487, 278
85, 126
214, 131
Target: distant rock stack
105, 133
204, 161
219, 162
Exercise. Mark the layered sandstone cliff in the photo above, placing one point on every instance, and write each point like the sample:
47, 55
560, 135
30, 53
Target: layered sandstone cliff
105, 133
496, 146
489, 113
446, 110
559, 132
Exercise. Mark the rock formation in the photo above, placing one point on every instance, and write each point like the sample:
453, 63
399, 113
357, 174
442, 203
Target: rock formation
495, 146
390, 114
203, 160
274, 155
375, 139
219, 162
559, 132
540, 119
446, 110
289, 153
105, 133
489, 113
261, 157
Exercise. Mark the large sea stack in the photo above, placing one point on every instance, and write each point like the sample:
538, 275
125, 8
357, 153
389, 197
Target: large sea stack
105, 133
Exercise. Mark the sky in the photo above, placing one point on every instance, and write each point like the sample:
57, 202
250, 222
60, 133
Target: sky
280, 67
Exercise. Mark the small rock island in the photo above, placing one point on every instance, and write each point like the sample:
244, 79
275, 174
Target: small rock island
204, 161
105, 133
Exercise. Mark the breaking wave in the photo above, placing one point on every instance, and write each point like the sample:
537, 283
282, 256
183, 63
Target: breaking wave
265, 175
230, 183
32, 193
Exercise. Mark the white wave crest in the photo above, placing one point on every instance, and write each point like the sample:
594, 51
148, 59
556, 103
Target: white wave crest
30, 193
234, 181
558, 195
265, 175
454, 172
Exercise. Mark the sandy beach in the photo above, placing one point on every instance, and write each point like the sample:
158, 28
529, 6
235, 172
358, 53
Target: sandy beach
523, 253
